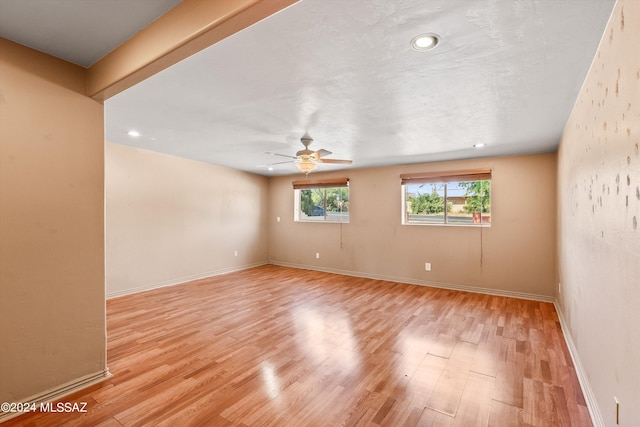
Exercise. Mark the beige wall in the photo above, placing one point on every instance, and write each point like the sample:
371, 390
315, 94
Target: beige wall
518, 251
170, 220
52, 316
599, 211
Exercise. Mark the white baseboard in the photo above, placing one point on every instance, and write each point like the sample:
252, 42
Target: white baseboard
589, 396
59, 392
181, 280
465, 288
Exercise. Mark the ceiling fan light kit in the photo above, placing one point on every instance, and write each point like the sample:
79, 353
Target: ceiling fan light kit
306, 165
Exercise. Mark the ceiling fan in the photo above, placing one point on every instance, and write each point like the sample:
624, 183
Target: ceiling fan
308, 160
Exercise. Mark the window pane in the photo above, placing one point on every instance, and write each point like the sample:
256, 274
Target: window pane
337, 203
470, 201
466, 202
425, 202
311, 204
322, 204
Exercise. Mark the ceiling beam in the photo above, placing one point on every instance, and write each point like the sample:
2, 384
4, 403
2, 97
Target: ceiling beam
190, 27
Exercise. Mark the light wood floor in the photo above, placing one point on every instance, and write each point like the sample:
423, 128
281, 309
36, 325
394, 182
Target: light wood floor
275, 346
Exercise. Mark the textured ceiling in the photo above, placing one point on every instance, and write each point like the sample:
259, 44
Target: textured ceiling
506, 74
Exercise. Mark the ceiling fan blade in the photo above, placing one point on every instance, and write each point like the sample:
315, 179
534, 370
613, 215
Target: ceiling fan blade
322, 152
279, 163
337, 161
274, 164
281, 155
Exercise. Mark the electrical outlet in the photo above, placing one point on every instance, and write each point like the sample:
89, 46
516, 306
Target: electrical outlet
427, 266
278, 219
235, 253
317, 255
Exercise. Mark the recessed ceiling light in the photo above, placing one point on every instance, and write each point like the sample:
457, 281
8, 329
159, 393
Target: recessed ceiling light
270, 168
479, 145
426, 41
133, 133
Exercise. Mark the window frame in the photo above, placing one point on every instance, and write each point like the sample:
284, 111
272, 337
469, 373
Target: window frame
472, 175
319, 184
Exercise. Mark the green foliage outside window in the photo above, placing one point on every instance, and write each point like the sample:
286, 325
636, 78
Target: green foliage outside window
428, 203
478, 196
306, 201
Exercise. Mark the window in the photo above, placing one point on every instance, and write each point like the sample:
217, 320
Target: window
461, 198
322, 200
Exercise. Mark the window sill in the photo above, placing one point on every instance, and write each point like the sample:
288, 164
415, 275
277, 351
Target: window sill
320, 222
431, 224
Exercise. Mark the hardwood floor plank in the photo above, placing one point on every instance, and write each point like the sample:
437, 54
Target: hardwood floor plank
545, 405
443, 346
475, 402
505, 415
276, 346
509, 378
431, 418
426, 377
487, 355
448, 391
